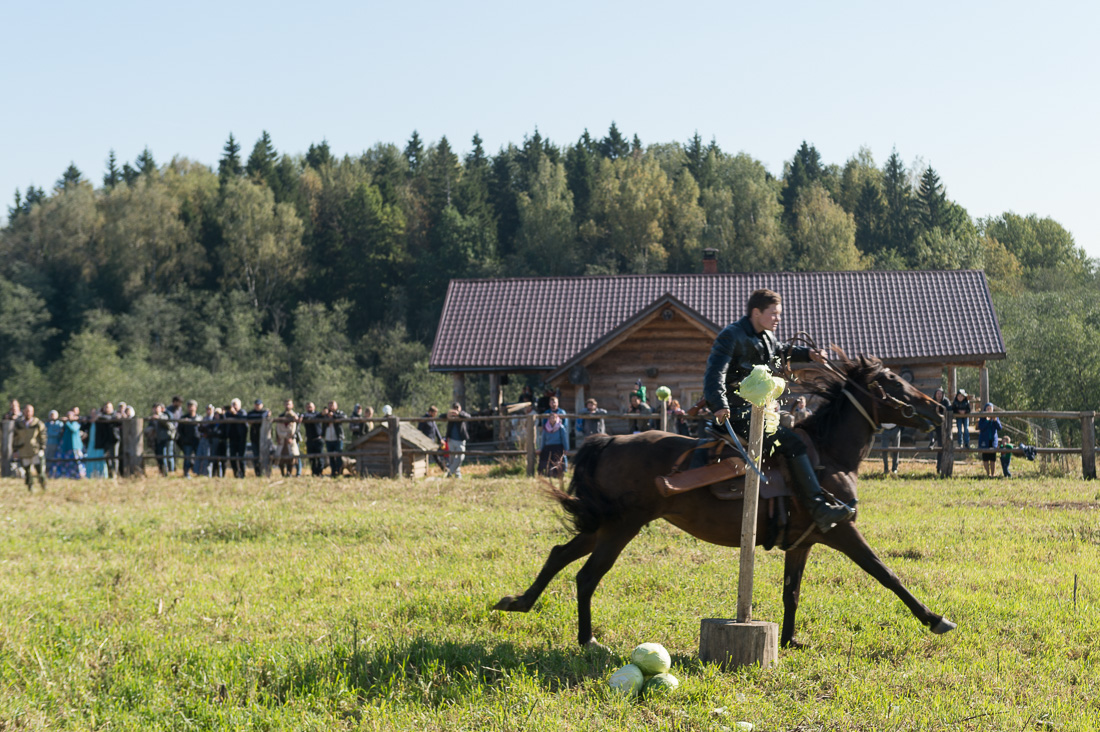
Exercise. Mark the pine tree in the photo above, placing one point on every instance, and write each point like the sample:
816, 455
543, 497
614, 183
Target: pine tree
443, 170
580, 174
614, 146
696, 156
931, 200
636, 145
261, 163
113, 176
70, 178
805, 169
17, 209
898, 227
319, 156
414, 153
230, 164
870, 211
130, 174
145, 163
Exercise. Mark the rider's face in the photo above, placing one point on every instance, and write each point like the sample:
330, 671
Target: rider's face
767, 319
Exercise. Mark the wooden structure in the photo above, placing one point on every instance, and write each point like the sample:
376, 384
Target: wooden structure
598, 336
374, 454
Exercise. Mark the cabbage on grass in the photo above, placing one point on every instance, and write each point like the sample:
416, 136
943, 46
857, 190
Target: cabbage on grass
651, 658
627, 681
660, 684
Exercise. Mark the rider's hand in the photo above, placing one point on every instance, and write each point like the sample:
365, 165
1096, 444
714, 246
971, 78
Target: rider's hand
721, 416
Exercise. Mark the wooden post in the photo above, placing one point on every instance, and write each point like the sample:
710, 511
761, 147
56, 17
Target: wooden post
664, 415
495, 402
947, 457
532, 461
952, 382
748, 519
458, 388
745, 642
983, 384
1088, 445
133, 448
393, 424
265, 444
7, 434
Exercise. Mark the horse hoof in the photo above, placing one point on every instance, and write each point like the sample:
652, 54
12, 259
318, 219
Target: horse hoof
794, 645
944, 626
511, 603
594, 645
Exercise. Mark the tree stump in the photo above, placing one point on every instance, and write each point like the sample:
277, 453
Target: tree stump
731, 644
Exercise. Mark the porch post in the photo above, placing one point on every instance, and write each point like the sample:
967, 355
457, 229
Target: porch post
458, 389
983, 385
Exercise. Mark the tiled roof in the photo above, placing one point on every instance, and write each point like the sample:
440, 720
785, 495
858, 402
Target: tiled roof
540, 323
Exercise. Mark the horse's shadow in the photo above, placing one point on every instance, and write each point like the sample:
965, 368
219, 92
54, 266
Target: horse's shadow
435, 671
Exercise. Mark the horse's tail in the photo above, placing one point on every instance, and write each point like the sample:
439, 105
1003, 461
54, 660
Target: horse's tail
584, 502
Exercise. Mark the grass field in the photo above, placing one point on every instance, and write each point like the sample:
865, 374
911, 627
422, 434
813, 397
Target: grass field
319, 604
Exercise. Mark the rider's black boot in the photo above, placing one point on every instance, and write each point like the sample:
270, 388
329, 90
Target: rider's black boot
805, 485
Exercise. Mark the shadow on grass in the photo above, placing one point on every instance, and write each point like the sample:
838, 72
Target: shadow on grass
434, 672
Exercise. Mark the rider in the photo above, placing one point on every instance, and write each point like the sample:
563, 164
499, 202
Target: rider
739, 347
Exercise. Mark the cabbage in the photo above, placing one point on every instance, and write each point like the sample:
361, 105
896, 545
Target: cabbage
664, 393
651, 658
660, 684
760, 387
627, 681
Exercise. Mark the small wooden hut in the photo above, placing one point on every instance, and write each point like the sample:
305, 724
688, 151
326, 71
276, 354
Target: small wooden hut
372, 450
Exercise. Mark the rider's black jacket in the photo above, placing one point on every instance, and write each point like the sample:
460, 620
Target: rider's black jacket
736, 350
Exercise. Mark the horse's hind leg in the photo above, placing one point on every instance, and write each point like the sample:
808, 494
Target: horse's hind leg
560, 557
612, 540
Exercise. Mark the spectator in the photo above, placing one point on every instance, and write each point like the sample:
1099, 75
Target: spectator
553, 408
29, 446
54, 428
594, 425
891, 437
286, 441
164, 433
430, 428
553, 442
961, 405
315, 444
174, 412
334, 438
527, 395
457, 437
1006, 457
14, 414
989, 433
940, 399
678, 418
188, 437
71, 449
206, 445
219, 443
368, 415
356, 426
236, 433
638, 406
108, 436
801, 412
95, 459
256, 418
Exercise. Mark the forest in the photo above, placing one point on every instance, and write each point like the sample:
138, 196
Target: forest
310, 276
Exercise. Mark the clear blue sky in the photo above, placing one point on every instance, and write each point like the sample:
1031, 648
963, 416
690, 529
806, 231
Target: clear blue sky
1002, 99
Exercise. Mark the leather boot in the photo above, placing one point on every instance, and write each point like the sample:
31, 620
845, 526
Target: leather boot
805, 485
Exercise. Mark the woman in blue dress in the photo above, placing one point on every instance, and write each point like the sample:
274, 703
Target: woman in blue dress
71, 450
96, 468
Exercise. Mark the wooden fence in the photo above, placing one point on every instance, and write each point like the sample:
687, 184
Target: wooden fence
132, 456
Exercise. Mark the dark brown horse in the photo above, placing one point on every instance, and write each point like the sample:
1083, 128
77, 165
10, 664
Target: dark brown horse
612, 494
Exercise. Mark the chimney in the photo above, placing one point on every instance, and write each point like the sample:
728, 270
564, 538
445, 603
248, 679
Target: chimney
710, 261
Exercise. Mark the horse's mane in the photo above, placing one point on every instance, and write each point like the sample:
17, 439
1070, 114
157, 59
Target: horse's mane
828, 383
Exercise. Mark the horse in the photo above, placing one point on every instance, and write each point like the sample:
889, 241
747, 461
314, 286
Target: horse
613, 494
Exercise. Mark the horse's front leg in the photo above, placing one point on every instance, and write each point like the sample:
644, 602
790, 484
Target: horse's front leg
847, 539
793, 565
560, 557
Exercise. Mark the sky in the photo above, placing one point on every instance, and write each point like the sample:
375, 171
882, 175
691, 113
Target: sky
1002, 100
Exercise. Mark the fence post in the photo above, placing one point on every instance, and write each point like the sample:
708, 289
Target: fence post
394, 426
133, 447
664, 415
7, 432
947, 457
265, 444
1088, 445
532, 421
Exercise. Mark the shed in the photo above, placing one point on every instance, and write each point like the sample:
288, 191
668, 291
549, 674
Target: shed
372, 450
597, 336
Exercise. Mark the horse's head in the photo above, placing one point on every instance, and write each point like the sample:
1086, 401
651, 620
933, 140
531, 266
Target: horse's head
891, 398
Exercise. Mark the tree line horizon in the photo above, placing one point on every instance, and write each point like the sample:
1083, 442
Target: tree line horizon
314, 277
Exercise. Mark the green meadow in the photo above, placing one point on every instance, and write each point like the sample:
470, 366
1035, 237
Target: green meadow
309, 604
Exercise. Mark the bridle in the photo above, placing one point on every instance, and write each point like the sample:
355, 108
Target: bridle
874, 392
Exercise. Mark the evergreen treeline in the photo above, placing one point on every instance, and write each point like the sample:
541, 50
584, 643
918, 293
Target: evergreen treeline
315, 277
